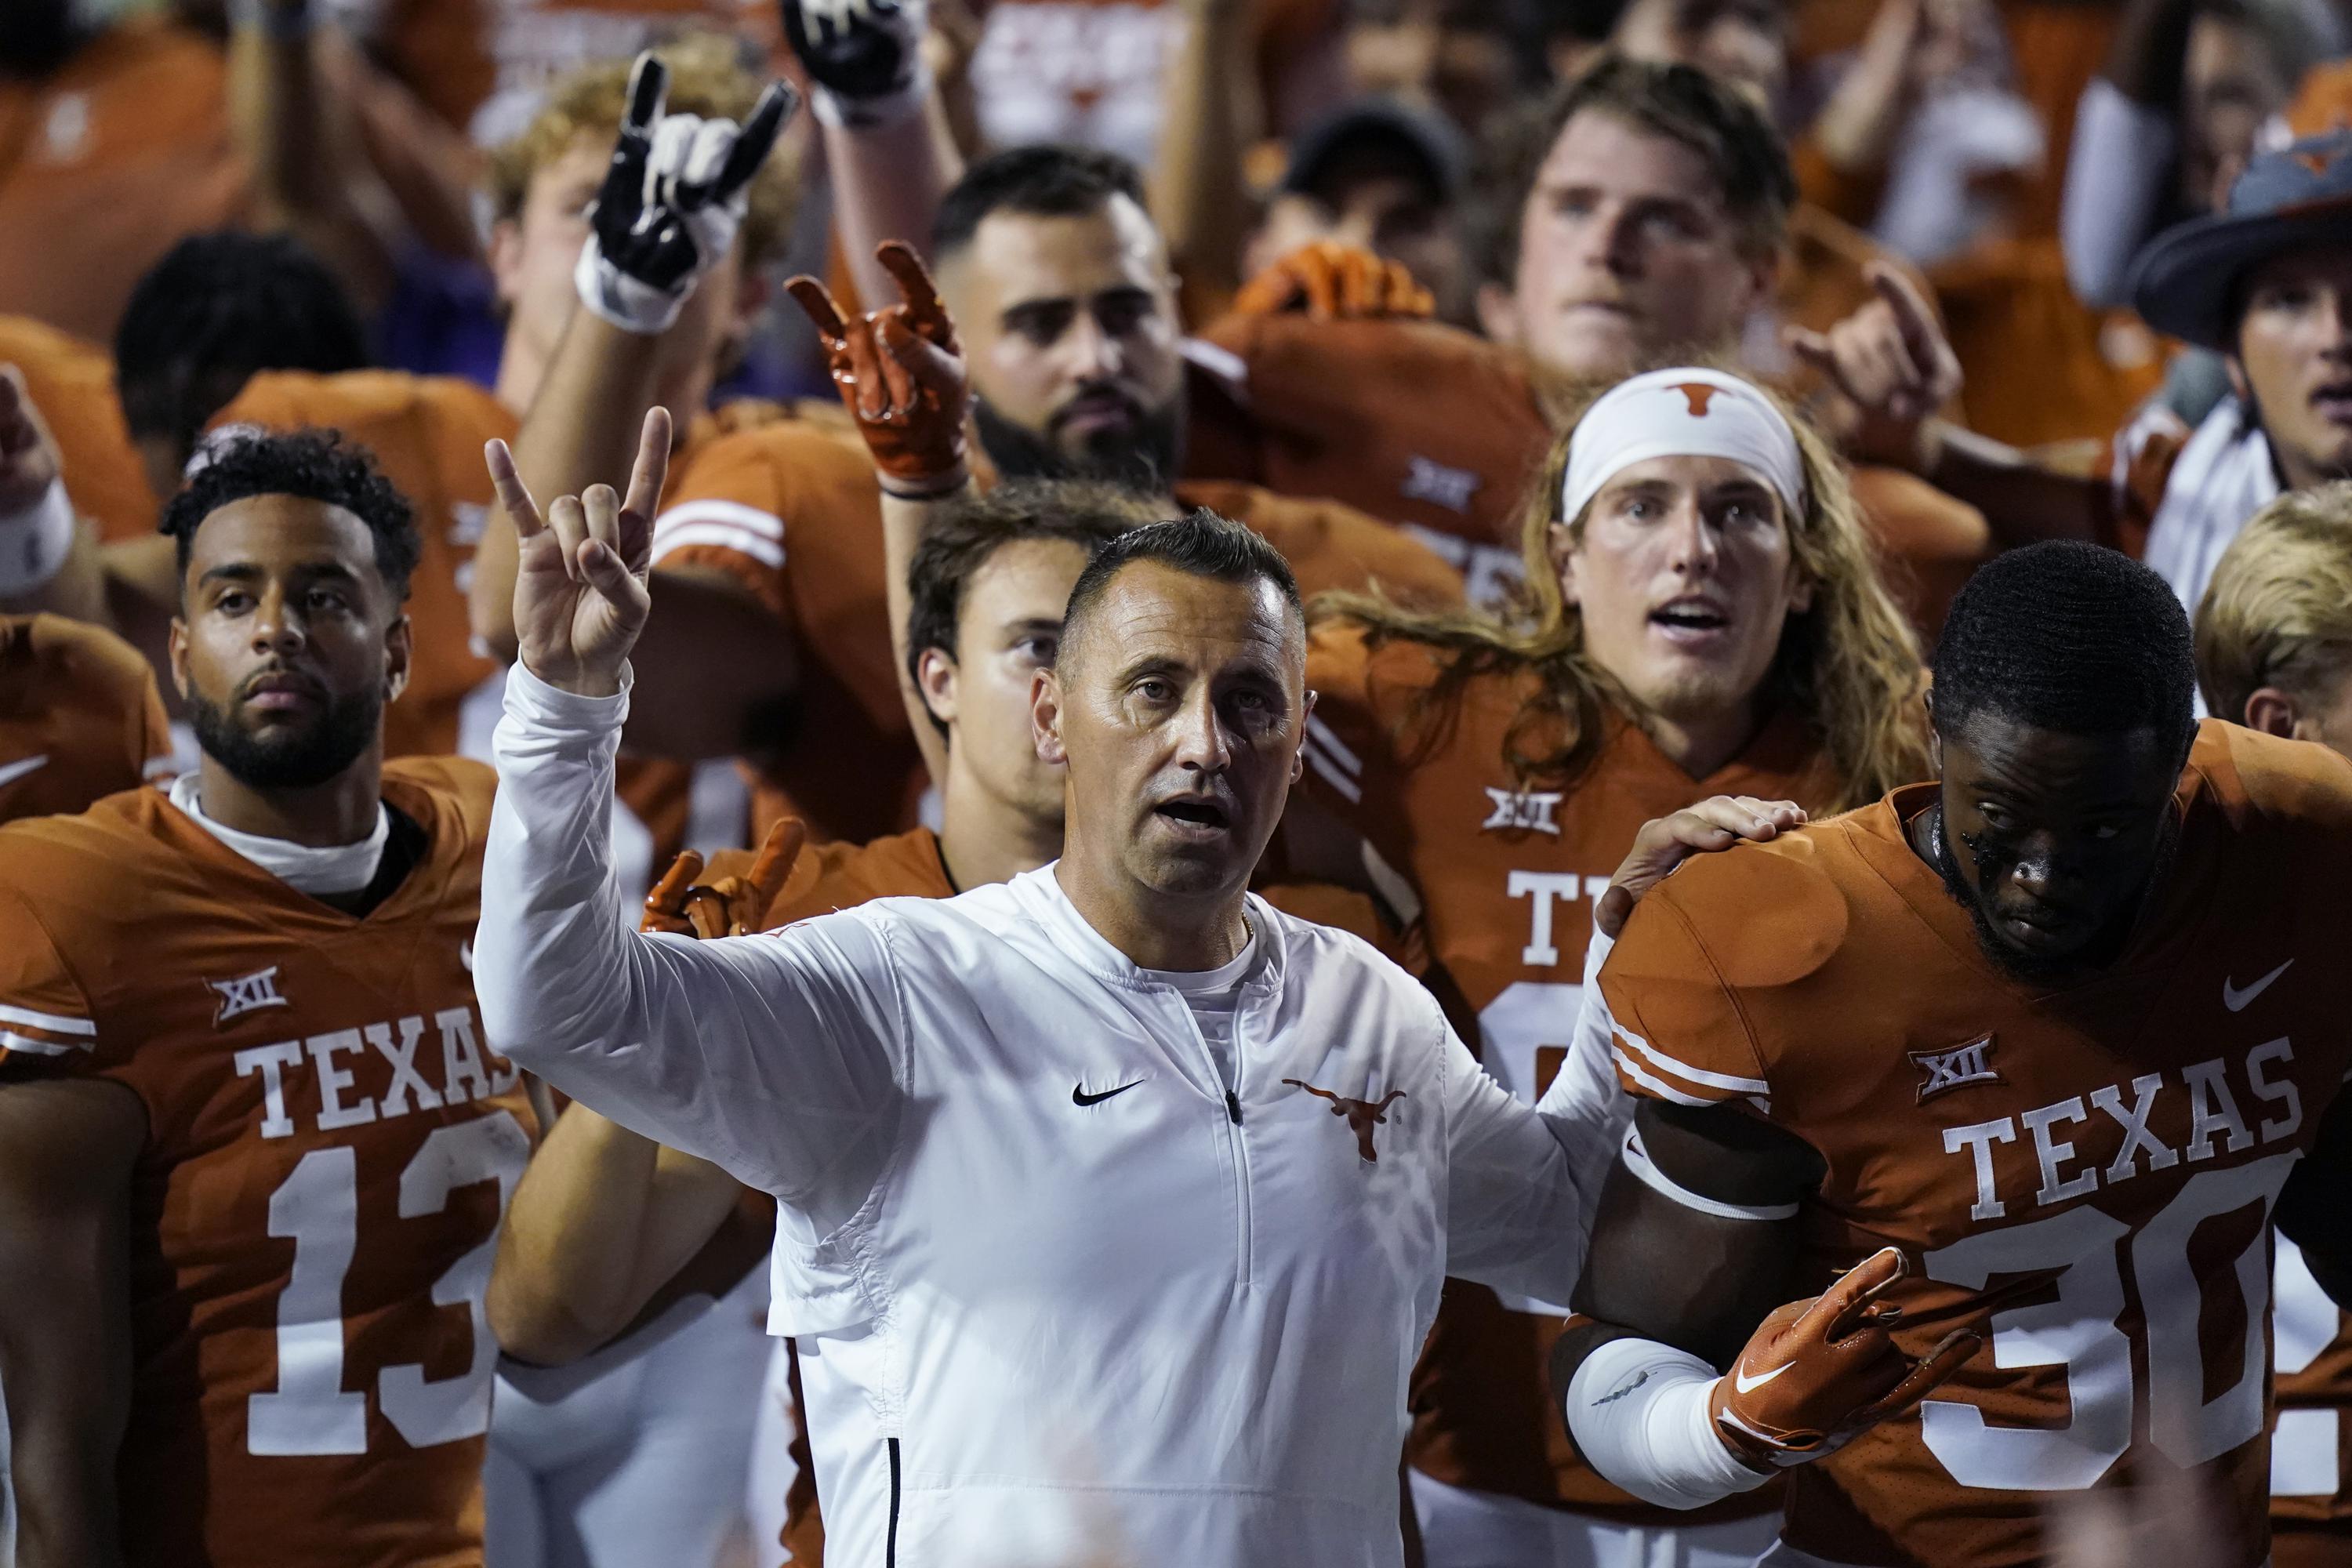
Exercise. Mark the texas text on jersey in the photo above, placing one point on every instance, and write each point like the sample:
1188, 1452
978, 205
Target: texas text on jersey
2082, 1174
1506, 871
329, 1147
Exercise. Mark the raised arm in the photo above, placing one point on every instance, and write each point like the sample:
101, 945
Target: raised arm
772, 1057
885, 131
900, 372
1893, 370
66, 1153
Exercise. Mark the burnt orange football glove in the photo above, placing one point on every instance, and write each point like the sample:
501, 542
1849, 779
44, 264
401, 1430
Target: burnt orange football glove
1333, 282
731, 906
1818, 1372
900, 374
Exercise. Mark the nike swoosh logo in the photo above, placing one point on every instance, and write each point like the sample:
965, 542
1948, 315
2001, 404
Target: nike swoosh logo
1080, 1097
1747, 1385
14, 771
2236, 1000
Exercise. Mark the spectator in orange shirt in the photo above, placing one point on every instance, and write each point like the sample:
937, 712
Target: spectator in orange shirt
114, 142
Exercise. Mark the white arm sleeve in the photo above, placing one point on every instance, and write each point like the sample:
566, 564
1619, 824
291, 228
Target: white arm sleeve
2122, 156
772, 1056
1640, 1412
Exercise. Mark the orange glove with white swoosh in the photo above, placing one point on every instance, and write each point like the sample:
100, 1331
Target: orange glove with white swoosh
1818, 1372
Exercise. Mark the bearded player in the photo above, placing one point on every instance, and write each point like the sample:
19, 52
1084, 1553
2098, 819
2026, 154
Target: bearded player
253, 1150
1707, 621
2037, 1035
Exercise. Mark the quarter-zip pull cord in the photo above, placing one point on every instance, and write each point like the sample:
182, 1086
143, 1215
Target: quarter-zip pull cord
1233, 1108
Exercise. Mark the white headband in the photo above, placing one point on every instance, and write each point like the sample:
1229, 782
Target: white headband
1684, 413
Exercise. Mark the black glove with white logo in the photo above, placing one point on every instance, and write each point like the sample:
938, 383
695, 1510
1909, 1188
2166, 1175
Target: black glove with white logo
671, 202
865, 56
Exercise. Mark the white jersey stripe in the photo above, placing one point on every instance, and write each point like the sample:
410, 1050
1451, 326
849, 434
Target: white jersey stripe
766, 552
1692, 1074
727, 511
10, 1040
1350, 790
1653, 1083
1340, 752
1637, 1160
55, 1022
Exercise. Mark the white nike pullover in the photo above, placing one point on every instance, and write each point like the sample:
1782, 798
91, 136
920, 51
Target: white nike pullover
1061, 1298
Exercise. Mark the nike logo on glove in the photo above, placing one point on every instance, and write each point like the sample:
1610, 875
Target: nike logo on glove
1747, 1385
2236, 1001
1079, 1096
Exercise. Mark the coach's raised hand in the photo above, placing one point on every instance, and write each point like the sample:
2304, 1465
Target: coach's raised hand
581, 597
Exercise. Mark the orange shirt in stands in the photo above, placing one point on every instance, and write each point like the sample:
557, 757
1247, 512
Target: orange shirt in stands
792, 511
2112, 1146
1505, 870
72, 383
79, 717
110, 160
330, 1144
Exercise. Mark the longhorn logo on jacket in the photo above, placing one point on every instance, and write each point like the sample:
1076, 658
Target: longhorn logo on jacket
1362, 1115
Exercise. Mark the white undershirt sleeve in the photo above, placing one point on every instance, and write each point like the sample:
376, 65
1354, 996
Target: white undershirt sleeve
1640, 1413
772, 1056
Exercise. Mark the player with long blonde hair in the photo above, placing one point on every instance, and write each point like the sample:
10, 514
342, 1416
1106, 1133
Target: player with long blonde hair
1703, 615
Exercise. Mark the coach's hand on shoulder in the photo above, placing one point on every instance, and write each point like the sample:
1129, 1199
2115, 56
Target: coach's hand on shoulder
681, 905
672, 199
900, 374
1818, 1372
581, 597
1717, 822
1334, 282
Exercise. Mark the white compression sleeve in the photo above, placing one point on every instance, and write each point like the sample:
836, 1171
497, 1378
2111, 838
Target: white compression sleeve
1639, 1412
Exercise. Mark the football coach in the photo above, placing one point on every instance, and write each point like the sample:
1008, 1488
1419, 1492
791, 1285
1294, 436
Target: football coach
1114, 1203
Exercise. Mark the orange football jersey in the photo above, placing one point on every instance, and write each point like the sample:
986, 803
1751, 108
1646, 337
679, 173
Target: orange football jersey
2085, 1173
792, 512
1505, 871
79, 717
72, 383
330, 1144
110, 160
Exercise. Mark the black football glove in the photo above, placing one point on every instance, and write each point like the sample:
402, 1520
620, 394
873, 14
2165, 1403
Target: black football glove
865, 56
672, 199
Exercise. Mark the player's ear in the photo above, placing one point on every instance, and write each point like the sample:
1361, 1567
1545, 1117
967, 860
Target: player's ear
179, 655
935, 677
506, 260
399, 652
1560, 545
1299, 755
1045, 718
2273, 713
